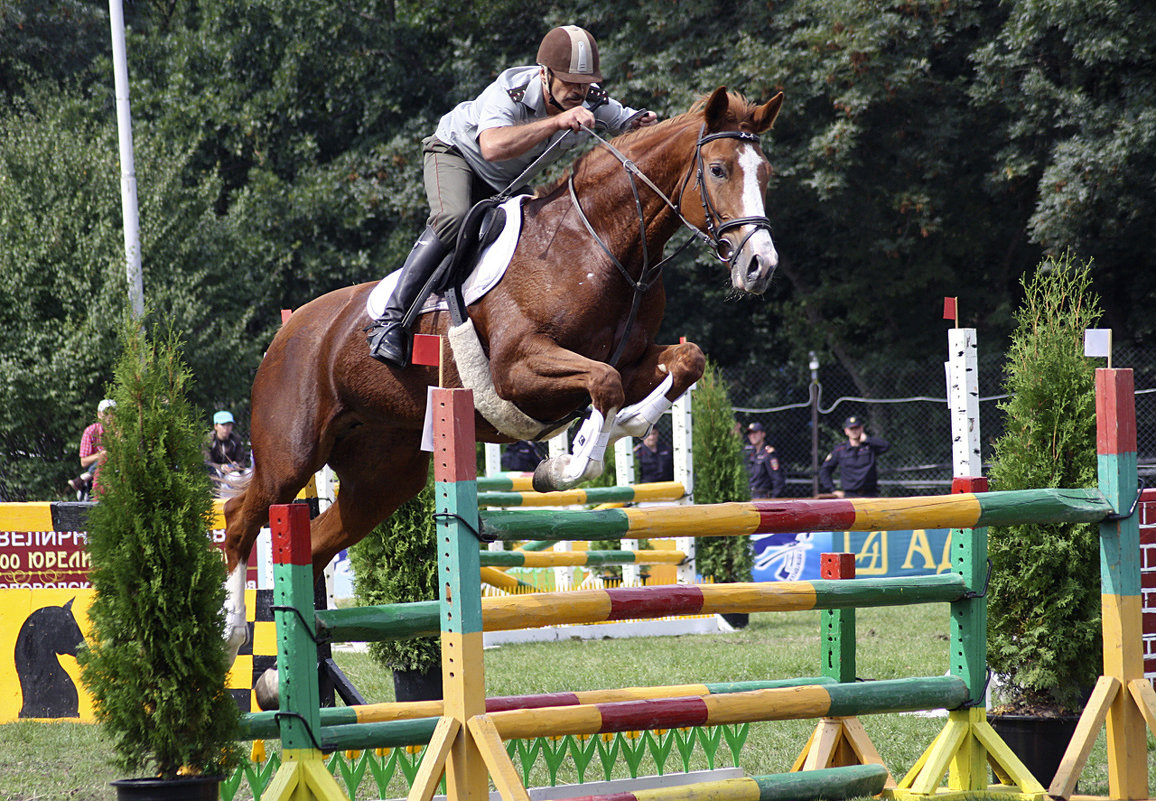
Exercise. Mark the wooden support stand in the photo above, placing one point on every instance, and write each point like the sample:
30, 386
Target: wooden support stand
839, 741
465, 746
1122, 699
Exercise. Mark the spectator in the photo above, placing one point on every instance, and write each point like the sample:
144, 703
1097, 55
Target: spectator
521, 455
855, 460
92, 454
764, 473
224, 450
655, 461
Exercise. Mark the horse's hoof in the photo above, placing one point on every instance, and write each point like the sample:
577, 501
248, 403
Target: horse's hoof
544, 478
236, 635
268, 690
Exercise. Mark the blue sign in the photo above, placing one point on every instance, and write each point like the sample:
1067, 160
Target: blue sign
796, 557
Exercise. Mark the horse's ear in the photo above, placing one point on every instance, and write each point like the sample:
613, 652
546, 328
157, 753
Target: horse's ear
767, 113
717, 110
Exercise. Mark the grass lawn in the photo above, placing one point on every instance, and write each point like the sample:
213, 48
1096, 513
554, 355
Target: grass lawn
70, 762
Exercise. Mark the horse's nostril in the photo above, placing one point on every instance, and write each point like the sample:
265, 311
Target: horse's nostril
755, 267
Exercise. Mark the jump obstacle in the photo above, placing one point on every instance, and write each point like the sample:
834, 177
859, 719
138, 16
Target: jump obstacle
465, 740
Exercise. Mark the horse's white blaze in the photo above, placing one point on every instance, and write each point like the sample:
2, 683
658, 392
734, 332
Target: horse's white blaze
759, 246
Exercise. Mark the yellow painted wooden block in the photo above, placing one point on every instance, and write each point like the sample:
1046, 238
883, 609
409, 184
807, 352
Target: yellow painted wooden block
704, 521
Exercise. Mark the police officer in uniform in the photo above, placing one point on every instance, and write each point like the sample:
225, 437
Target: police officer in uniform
483, 145
763, 469
855, 459
655, 461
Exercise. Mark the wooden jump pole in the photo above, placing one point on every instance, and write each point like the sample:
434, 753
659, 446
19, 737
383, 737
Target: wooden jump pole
965, 510
1122, 697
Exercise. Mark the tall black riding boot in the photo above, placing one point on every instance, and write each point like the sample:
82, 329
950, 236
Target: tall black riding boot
389, 338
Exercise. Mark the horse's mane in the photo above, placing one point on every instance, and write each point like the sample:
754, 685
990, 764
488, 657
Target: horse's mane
740, 113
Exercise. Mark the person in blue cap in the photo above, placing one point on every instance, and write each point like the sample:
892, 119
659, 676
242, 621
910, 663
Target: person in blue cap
855, 460
224, 450
764, 471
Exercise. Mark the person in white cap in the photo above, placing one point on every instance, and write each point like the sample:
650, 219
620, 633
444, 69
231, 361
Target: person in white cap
224, 450
485, 144
92, 453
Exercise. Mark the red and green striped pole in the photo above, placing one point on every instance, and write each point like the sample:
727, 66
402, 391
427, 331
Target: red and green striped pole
302, 773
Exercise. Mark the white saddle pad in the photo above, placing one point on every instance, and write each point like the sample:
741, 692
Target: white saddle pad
487, 272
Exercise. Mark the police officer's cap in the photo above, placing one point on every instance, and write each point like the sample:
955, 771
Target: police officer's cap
853, 422
755, 427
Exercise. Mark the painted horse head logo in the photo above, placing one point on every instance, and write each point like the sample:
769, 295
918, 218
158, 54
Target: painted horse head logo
48, 690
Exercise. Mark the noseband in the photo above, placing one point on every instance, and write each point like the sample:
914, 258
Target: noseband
716, 224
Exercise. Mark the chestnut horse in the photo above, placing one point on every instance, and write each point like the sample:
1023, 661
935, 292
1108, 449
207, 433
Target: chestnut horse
580, 292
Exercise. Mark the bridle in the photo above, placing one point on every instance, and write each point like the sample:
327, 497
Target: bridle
716, 223
717, 229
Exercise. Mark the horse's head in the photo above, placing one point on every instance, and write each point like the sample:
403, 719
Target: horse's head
732, 175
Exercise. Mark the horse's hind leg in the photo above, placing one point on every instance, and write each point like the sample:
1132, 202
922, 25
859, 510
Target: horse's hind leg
274, 480
378, 471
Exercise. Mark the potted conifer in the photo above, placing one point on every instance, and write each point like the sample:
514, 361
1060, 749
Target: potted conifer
719, 477
156, 662
397, 563
1044, 596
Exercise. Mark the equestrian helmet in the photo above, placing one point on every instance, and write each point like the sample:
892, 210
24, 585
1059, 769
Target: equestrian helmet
571, 54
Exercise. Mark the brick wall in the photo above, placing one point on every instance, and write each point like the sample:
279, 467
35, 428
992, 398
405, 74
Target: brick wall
1147, 512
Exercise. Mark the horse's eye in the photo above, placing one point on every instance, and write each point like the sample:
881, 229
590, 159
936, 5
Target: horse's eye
718, 171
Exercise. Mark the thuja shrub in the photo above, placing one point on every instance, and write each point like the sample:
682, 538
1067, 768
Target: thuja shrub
397, 563
719, 477
1044, 596
156, 663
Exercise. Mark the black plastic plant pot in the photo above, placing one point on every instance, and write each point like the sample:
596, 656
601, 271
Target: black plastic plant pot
182, 788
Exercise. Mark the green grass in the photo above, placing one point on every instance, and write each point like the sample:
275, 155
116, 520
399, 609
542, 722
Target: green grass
70, 762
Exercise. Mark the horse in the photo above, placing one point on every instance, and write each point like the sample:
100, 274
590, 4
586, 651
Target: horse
572, 322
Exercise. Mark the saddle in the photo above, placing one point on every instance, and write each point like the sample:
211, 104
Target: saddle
480, 228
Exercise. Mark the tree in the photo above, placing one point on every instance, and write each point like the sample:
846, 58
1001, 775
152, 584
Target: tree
1043, 598
62, 265
719, 477
1077, 139
156, 665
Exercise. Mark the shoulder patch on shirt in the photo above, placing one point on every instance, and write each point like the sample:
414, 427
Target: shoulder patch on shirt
518, 92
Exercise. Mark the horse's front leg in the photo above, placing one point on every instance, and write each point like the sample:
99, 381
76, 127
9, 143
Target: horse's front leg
663, 374
543, 371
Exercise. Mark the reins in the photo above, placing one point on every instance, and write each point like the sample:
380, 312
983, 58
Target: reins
651, 273
715, 223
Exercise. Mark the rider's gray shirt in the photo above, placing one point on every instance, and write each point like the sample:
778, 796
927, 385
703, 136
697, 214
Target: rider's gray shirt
516, 97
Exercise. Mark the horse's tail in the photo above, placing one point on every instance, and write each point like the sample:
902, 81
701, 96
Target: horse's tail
232, 485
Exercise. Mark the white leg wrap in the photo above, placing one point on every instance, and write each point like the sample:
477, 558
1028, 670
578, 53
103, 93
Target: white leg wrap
637, 419
589, 446
236, 629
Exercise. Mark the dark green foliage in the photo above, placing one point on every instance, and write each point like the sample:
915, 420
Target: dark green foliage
398, 563
719, 476
925, 149
1044, 597
156, 666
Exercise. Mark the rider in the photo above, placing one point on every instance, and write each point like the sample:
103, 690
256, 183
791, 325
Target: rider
484, 145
